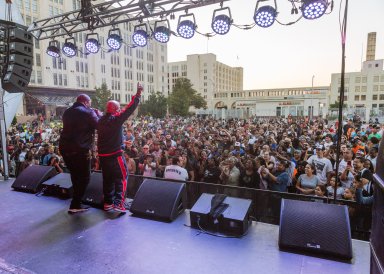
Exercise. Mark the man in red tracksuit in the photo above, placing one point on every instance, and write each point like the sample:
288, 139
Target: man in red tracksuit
110, 143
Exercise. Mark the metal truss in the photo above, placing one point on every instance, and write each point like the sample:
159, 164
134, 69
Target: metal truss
111, 13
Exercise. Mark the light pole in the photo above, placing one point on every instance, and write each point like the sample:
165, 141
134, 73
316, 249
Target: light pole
311, 108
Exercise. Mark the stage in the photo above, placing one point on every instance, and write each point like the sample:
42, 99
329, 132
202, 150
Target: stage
39, 236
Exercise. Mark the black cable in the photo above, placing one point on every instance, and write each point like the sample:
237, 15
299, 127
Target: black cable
202, 230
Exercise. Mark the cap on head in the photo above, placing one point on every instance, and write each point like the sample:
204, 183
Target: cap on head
112, 106
83, 98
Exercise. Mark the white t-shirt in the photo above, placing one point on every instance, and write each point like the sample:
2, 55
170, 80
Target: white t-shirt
342, 166
322, 165
176, 172
150, 171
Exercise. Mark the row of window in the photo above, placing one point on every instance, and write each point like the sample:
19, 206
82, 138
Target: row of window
60, 79
363, 79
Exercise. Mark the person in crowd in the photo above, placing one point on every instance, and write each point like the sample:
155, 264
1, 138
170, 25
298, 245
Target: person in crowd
360, 198
372, 156
149, 166
110, 143
249, 177
55, 162
76, 140
230, 174
308, 181
365, 176
278, 180
323, 165
331, 189
211, 171
175, 171
131, 164
320, 191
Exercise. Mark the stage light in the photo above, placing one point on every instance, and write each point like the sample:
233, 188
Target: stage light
140, 36
162, 33
265, 16
53, 49
114, 40
92, 44
186, 28
313, 9
69, 48
221, 23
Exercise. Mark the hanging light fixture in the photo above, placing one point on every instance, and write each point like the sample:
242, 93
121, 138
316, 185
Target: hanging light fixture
92, 44
264, 16
162, 33
140, 35
186, 28
114, 40
69, 48
313, 9
53, 49
221, 23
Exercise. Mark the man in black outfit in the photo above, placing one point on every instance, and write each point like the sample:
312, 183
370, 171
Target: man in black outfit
110, 144
76, 139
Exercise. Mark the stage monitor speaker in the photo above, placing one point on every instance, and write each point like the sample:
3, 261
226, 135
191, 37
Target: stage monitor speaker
159, 200
31, 178
59, 186
315, 228
234, 219
377, 239
94, 193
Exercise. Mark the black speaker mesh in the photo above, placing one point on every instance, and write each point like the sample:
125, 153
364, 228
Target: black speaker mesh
158, 199
316, 227
94, 193
30, 179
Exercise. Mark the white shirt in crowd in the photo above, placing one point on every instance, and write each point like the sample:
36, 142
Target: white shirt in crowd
175, 172
322, 165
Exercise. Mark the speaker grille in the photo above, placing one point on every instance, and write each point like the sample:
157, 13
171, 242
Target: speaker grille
30, 179
316, 227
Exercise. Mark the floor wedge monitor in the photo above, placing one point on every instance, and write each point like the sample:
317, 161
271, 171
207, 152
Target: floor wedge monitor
315, 229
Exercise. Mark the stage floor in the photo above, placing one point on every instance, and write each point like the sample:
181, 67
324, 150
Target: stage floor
38, 236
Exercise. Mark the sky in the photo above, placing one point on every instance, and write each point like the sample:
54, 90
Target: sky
286, 56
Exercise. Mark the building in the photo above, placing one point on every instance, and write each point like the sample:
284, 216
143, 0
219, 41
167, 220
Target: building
303, 101
364, 90
64, 78
208, 76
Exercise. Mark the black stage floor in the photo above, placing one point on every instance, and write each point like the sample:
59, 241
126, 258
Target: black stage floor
38, 236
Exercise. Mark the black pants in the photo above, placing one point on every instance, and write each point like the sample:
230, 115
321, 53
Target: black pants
79, 165
115, 177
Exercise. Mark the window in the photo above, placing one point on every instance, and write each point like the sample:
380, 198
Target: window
364, 79
376, 79
60, 79
381, 96
374, 97
65, 80
39, 77
357, 89
375, 87
356, 97
38, 60
358, 80
54, 63
363, 97
364, 89
55, 79
37, 44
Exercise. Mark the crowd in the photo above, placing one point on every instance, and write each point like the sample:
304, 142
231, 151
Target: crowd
290, 154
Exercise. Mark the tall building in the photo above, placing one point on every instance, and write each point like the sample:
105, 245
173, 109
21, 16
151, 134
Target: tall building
55, 82
364, 90
208, 76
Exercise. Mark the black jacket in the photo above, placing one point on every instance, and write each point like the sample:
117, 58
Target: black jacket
110, 129
79, 124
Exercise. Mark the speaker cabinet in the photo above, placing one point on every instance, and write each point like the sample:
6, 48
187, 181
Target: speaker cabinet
59, 186
377, 239
315, 228
234, 219
159, 200
31, 178
94, 193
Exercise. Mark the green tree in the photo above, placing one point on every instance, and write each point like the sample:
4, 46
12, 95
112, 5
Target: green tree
336, 105
156, 106
184, 96
101, 97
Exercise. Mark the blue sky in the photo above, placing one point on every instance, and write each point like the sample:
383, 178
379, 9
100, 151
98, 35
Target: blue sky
286, 56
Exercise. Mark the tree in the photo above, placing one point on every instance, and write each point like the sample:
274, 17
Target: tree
184, 96
156, 106
101, 97
336, 105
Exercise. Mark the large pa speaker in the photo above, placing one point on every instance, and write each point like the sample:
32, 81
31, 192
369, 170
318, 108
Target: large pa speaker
31, 178
377, 239
159, 200
59, 186
315, 228
94, 193
233, 218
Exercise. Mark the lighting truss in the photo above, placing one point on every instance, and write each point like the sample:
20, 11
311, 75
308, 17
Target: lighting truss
110, 13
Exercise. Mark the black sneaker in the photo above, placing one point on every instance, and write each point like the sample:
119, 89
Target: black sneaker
78, 210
